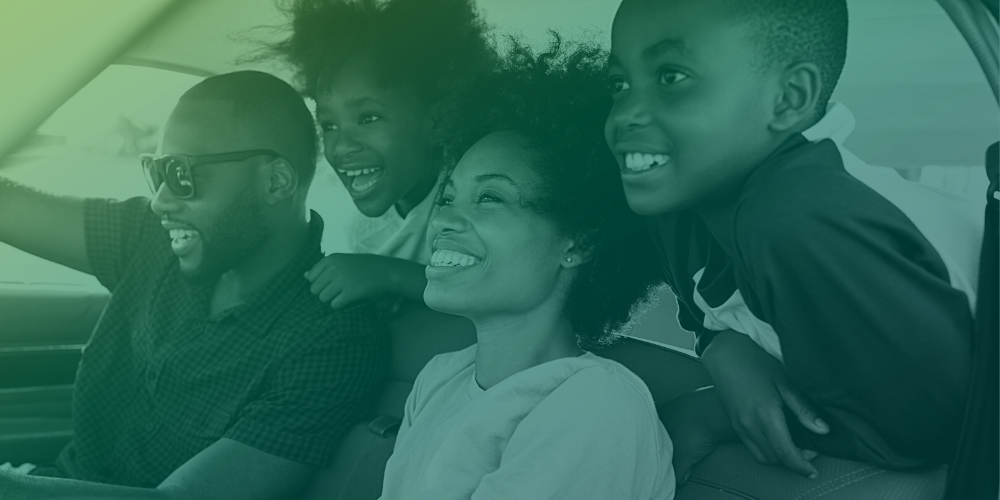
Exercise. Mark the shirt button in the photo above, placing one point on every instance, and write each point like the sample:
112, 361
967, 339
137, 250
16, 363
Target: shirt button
149, 427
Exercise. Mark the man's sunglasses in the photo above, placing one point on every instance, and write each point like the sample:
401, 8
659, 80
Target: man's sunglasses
176, 170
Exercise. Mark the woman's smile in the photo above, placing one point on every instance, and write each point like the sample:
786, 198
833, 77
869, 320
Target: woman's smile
485, 223
446, 262
450, 257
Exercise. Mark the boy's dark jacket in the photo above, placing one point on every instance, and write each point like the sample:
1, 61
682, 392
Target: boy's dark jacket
862, 284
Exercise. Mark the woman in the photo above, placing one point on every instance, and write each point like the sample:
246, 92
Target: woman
535, 244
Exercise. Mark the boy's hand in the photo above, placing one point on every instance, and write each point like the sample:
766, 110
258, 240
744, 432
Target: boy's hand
754, 391
342, 279
696, 423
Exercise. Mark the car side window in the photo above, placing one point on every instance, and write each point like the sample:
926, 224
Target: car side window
89, 148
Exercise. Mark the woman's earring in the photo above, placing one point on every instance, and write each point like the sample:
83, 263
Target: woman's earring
569, 259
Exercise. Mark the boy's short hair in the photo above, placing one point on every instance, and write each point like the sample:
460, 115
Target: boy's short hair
272, 109
791, 31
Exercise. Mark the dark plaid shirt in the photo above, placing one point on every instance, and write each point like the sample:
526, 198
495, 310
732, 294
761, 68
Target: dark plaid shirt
161, 380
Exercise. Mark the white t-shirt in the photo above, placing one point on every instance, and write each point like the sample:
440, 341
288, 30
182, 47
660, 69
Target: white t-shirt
581, 428
391, 235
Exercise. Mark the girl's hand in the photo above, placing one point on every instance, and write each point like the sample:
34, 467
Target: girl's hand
754, 391
342, 279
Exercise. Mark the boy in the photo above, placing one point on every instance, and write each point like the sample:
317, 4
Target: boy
798, 267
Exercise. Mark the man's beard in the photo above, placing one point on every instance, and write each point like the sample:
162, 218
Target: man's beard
236, 234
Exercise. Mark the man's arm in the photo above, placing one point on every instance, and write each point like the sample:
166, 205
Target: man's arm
226, 469
49, 226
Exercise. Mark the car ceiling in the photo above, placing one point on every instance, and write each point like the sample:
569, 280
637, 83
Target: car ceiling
911, 81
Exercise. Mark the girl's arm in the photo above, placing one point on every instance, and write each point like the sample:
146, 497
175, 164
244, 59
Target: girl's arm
342, 279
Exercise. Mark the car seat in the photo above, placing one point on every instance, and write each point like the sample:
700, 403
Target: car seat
729, 473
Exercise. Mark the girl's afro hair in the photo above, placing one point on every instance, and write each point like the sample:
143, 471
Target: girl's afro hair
436, 46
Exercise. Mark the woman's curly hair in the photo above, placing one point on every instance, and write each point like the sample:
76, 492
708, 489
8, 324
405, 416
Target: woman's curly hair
558, 100
436, 46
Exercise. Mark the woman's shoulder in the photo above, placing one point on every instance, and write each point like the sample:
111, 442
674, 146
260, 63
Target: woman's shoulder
453, 361
595, 374
444, 374
584, 383
614, 400
445, 367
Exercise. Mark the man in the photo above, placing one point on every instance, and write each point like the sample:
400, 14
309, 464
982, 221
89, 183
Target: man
213, 372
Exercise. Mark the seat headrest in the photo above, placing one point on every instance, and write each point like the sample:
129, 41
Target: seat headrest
418, 334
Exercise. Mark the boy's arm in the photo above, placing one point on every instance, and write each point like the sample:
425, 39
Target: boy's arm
756, 394
226, 469
45, 225
697, 423
869, 324
342, 279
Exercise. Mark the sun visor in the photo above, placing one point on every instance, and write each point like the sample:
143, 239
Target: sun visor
49, 50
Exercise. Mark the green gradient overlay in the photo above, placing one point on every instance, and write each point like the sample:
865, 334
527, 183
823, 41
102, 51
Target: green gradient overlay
921, 103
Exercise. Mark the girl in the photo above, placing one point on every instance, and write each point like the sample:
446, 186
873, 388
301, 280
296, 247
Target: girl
535, 244
383, 73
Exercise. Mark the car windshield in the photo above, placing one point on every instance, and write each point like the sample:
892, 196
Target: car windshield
88, 148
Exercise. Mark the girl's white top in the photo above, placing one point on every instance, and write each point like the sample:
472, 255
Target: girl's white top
392, 235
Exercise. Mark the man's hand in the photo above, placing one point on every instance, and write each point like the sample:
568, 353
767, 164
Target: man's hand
342, 279
754, 391
696, 423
